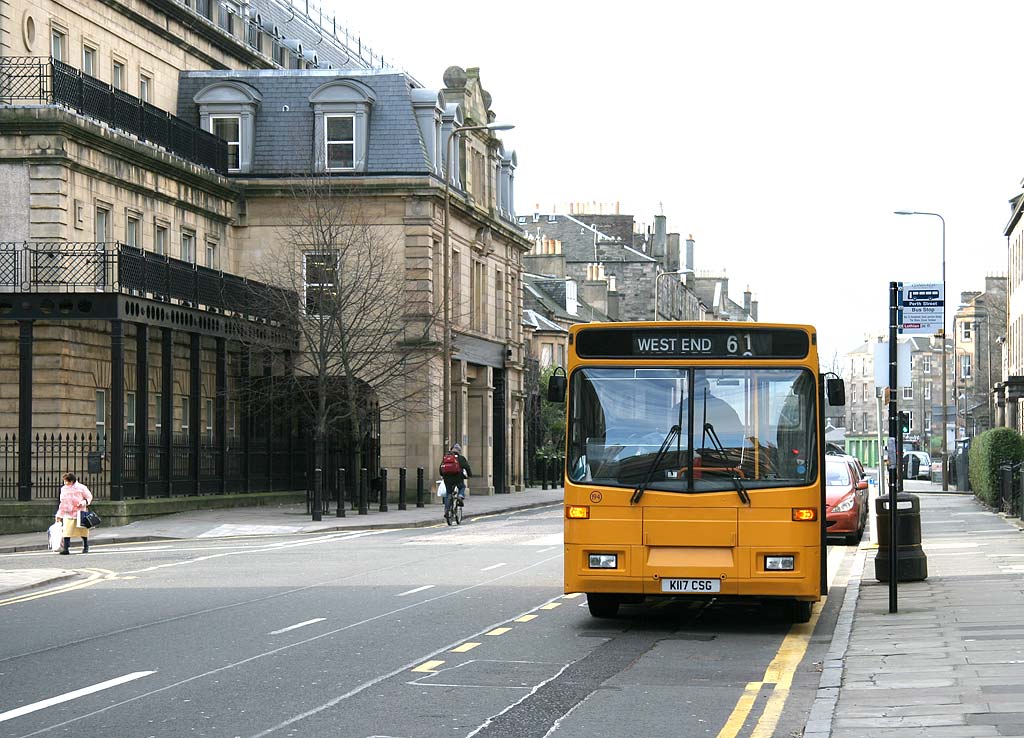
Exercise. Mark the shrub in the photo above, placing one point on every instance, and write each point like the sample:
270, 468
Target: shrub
988, 451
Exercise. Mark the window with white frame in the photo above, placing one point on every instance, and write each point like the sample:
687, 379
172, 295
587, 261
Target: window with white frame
209, 420
117, 75
927, 423
129, 417
908, 393
188, 247
910, 417
320, 270
927, 390
229, 127
184, 413
853, 423
867, 392
232, 417
158, 411
926, 364
132, 230
101, 417
102, 223
160, 240
212, 255
340, 142
864, 422
58, 44
89, 60
145, 87
965, 365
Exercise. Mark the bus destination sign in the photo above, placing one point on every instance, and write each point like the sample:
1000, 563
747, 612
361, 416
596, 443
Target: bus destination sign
692, 343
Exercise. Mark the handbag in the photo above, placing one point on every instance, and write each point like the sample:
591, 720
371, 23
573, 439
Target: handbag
56, 535
88, 519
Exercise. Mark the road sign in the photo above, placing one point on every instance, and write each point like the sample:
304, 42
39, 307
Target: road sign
920, 308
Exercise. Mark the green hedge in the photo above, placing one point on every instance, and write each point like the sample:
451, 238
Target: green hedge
988, 451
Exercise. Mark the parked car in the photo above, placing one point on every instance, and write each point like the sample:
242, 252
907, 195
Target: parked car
846, 500
916, 465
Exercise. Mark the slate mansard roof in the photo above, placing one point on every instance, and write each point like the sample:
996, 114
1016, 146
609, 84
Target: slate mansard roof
283, 140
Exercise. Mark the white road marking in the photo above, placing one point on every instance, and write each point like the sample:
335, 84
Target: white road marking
492, 566
68, 696
414, 591
545, 550
303, 624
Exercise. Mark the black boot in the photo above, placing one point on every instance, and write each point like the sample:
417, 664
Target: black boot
66, 548
85, 545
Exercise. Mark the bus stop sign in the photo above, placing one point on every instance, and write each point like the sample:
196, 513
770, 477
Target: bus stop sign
920, 308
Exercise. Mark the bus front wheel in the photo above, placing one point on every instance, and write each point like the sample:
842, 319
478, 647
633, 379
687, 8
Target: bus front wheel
603, 605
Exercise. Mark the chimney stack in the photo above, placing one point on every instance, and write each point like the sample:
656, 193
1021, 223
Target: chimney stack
689, 252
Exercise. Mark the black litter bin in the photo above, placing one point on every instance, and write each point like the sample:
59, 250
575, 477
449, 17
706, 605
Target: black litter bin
911, 563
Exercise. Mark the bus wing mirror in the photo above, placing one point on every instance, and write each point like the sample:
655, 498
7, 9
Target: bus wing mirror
835, 391
556, 386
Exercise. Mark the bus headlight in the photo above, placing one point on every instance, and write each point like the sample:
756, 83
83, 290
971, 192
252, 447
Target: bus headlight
779, 563
604, 561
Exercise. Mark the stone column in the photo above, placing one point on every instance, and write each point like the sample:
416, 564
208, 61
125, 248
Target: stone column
1000, 405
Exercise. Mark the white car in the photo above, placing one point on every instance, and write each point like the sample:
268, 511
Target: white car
916, 465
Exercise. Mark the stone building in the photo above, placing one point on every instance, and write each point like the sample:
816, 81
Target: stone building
130, 227
979, 334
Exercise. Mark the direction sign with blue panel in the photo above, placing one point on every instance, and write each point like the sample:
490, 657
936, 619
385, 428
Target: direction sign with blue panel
920, 308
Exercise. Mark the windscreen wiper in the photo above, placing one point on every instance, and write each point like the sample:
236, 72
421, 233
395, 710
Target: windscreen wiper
716, 443
639, 491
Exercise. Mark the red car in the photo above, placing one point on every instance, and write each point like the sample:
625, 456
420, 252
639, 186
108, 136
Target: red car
846, 500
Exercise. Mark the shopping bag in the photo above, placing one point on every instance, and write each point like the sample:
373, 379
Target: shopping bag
440, 488
88, 519
56, 535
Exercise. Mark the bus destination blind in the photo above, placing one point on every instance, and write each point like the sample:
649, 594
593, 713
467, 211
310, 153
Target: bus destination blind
682, 343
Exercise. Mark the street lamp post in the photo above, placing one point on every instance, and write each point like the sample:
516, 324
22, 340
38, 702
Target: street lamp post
446, 378
945, 390
657, 292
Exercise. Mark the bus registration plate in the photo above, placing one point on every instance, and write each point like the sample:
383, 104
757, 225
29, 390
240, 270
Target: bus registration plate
696, 586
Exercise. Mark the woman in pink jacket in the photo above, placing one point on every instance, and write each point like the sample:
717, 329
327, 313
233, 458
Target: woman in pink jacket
74, 497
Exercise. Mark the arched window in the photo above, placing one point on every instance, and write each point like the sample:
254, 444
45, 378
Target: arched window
341, 111
228, 109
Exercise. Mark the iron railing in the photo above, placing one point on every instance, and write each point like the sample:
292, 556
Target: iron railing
68, 267
46, 81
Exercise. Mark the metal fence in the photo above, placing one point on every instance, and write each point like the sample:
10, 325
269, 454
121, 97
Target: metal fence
53, 455
62, 266
47, 81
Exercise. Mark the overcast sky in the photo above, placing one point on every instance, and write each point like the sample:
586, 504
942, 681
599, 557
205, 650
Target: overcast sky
782, 135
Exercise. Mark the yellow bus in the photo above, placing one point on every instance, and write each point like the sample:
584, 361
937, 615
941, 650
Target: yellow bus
694, 459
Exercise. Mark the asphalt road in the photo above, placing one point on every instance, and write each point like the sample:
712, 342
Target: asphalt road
459, 631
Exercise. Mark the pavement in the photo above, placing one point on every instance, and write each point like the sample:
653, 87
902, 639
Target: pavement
256, 521
948, 664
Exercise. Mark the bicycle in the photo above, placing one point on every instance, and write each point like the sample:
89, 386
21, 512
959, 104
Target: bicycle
453, 508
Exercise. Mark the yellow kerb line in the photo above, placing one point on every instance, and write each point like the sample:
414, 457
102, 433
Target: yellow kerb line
779, 675
95, 577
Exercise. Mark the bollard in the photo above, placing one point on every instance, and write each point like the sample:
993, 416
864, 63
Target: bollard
364, 491
318, 509
911, 562
341, 492
383, 490
419, 486
401, 488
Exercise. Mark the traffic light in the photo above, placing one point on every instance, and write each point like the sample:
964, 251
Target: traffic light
904, 422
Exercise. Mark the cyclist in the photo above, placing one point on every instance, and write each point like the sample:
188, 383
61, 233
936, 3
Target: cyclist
454, 471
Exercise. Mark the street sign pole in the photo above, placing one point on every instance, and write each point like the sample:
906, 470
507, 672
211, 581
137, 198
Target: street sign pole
894, 471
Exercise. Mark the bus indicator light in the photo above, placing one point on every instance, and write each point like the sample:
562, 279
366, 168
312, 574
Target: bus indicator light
805, 514
577, 512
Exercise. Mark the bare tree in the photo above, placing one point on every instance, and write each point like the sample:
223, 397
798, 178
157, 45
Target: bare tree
364, 326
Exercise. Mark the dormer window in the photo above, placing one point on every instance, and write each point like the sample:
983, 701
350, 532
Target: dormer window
228, 110
341, 112
340, 142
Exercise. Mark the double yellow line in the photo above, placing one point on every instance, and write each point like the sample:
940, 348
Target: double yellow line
92, 576
779, 676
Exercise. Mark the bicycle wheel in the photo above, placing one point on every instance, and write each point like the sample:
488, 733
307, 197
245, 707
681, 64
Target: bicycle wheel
449, 508
457, 513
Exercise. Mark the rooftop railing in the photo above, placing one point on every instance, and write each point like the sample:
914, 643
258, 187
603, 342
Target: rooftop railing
45, 81
70, 267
